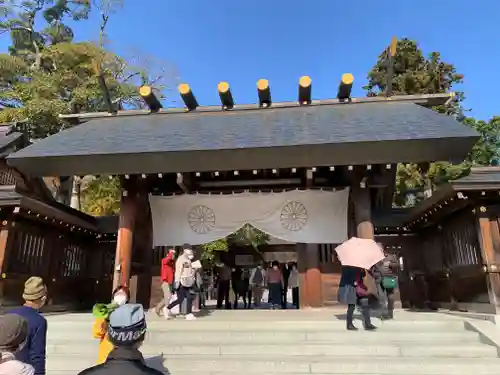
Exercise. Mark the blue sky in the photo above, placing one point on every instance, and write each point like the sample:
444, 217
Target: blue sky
207, 41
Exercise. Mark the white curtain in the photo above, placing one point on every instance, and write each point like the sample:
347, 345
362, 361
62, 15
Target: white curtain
309, 216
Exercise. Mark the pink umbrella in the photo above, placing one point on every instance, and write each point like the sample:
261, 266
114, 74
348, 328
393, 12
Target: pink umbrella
359, 252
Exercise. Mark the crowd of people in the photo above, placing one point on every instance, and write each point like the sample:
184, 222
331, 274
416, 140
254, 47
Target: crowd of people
249, 284
120, 326
180, 282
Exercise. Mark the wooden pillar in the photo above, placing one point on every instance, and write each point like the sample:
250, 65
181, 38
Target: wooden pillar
490, 257
4, 248
311, 285
143, 245
125, 240
361, 202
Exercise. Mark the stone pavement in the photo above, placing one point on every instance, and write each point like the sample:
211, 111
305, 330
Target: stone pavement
291, 342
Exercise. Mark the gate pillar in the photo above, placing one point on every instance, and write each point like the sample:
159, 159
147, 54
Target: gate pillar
361, 202
490, 258
124, 242
311, 285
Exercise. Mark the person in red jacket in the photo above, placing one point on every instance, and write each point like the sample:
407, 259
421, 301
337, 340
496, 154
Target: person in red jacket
167, 280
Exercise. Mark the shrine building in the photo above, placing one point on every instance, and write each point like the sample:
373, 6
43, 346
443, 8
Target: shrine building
309, 172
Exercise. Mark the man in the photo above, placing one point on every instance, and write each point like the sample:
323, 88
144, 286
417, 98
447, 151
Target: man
167, 281
185, 281
257, 284
35, 296
127, 330
13, 335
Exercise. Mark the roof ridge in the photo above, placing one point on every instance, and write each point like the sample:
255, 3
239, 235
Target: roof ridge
422, 99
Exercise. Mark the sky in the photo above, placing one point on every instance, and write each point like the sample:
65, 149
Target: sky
203, 42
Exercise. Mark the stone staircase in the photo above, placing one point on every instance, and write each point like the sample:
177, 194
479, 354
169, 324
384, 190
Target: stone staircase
290, 342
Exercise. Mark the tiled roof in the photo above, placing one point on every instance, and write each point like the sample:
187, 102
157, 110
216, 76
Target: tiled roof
288, 137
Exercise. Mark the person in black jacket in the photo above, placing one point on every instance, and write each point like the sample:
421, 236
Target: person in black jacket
127, 330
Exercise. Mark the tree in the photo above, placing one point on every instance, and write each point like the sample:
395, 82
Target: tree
101, 197
66, 83
247, 235
18, 18
416, 74
413, 73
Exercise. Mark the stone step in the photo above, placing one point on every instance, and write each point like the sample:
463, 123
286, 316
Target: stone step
299, 365
154, 337
180, 325
267, 316
466, 350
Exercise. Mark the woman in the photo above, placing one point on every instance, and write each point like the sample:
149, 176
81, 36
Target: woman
352, 291
13, 336
121, 296
293, 284
275, 285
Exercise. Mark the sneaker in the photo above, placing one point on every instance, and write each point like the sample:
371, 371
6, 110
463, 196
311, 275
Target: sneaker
167, 314
190, 317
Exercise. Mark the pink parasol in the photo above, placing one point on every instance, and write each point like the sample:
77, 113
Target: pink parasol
359, 252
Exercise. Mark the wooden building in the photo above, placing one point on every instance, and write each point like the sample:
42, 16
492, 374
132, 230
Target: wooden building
450, 244
41, 237
334, 144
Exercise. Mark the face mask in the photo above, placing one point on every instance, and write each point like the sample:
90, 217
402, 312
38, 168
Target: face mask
275, 267
120, 299
190, 256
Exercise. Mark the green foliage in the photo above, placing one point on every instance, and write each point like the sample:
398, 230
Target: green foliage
486, 150
414, 73
101, 196
66, 82
245, 236
19, 19
209, 250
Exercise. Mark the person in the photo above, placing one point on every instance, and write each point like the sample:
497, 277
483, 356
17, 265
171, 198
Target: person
285, 269
224, 286
246, 292
184, 280
275, 285
121, 296
236, 281
13, 336
385, 276
35, 297
127, 331
257, 284
352, 291
167, 281
293, 284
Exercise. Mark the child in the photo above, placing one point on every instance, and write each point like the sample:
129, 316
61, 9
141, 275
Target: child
121, 296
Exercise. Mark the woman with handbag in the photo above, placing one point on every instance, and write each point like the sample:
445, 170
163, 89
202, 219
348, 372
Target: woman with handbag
385, 275
352, 291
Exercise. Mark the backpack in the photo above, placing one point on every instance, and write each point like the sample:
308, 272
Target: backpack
257, 277
188, 278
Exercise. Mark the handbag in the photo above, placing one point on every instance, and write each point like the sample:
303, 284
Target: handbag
389, 282
361, 289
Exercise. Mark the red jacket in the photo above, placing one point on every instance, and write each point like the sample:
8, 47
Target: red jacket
167, 268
